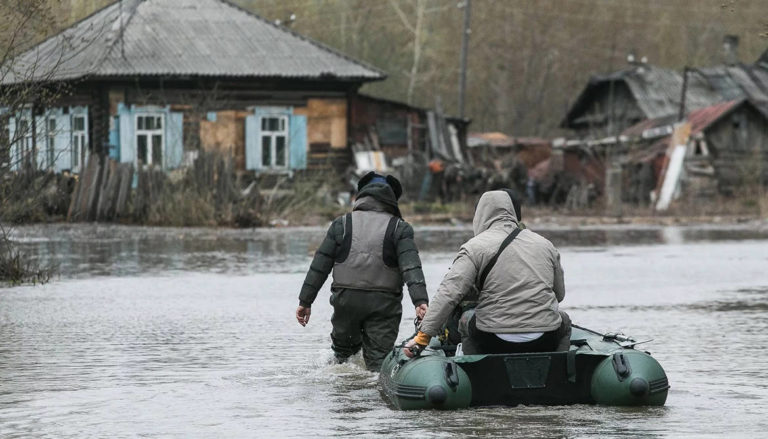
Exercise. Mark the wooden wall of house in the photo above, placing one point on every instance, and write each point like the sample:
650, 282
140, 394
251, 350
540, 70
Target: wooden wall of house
326, 134
222, 132
608, 103
398, 128
738, 145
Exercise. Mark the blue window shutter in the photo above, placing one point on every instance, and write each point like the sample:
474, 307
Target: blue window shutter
127, 141
252, 144
13, 152
63, 141
114, 138
174, 140
298, 139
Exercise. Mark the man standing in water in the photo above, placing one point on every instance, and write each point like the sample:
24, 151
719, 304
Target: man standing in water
520, 283
371, 253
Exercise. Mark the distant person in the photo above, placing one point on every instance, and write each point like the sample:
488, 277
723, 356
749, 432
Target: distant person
371, 253
517, 304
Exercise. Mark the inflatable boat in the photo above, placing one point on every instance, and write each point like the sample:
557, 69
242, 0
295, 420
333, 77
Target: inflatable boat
598, 369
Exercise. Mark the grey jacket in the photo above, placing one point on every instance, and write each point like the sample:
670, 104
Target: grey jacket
521, 292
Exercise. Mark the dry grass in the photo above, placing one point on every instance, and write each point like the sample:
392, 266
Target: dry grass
17, 268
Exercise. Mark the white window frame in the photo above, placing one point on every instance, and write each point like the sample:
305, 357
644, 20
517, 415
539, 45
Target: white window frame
25, 142
149, 135
79, 142
50, 141
273, 136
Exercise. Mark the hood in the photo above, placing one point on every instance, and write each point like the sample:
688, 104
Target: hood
377, 197
494, 207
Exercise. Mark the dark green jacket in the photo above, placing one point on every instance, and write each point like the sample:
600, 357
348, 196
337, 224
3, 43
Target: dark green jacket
407, 253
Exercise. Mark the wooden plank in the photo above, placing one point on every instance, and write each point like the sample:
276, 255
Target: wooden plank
95, 188
124, 185
103, 195
74, 203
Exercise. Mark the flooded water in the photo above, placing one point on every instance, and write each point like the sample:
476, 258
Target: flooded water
190, 333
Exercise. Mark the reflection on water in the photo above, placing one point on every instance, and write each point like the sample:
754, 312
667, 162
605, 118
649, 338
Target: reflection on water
190, 333
99, 250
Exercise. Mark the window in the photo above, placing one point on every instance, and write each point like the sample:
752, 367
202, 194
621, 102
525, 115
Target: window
50, 138
274, 142
150, 140
23, 140
79, 141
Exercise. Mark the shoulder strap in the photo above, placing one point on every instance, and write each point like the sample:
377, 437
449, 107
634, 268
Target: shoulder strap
390, 246
487, 269
346, 240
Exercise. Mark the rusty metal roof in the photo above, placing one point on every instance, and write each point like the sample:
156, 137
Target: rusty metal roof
703, 118
183, 38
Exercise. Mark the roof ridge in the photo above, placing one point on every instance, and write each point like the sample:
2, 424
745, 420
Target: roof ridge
123, 26
307, 39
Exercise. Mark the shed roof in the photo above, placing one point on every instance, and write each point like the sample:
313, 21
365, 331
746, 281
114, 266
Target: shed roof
656, 90
183, 38
703, 118
737, 81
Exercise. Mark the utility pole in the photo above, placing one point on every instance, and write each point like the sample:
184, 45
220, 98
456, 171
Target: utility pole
681, 114
464, 50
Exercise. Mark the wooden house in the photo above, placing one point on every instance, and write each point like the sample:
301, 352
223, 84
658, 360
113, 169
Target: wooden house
726, 151
154, 82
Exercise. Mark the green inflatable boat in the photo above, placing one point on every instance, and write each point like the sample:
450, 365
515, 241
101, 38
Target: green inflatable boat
598, 369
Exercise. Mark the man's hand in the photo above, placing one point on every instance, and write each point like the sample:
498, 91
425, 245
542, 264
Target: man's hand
421, 311
302, 314
412, 349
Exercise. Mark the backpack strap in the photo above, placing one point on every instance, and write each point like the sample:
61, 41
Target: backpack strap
346, 239
390, 245
487, 269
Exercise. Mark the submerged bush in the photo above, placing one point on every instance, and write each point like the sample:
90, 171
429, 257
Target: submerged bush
18, 268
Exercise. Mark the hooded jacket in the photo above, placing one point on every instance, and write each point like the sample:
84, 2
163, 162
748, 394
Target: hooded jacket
373, 198
523, 289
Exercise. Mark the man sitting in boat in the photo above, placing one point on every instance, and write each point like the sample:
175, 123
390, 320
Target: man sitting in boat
371, 252
520, 283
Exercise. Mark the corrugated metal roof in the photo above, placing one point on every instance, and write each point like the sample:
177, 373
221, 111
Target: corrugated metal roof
657, 91
184, 38
737, 81
700, 120
703, 118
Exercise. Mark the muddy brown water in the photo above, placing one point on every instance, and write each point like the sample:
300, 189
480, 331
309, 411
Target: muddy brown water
153, 332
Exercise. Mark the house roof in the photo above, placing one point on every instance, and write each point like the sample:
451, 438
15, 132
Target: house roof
703, 118
737, 81
700, 119
657, 91
183, 38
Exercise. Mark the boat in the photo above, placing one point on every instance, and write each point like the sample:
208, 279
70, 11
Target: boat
605, 369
